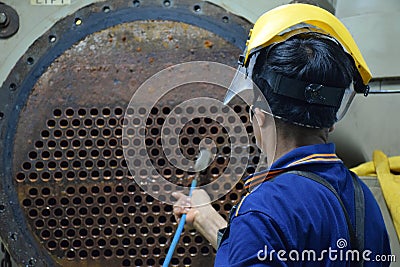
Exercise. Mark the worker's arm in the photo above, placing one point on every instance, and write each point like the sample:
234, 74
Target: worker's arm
204, 218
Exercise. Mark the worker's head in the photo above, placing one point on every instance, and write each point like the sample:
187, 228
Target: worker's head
307, 57
306, 65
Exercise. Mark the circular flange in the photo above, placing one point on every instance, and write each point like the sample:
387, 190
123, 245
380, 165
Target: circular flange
37, 89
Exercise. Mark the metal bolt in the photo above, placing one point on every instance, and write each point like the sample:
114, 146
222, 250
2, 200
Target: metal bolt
31, 262
3, 18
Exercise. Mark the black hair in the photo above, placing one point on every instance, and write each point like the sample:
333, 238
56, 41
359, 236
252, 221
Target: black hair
310, 2
307, 57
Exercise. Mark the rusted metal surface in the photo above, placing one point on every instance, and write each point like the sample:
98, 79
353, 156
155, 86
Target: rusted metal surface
78, 150
78, 199
69, 142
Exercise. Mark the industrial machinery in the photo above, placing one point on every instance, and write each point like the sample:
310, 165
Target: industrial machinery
68, 71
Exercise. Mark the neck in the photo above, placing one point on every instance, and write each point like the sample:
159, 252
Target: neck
291, 137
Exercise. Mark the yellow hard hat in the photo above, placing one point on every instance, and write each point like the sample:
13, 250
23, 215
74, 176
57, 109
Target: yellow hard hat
283, 22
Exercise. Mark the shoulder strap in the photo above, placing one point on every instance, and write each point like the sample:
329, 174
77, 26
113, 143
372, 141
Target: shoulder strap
359, 203
318, 179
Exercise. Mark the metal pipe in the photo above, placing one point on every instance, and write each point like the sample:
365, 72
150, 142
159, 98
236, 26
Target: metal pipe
377, 92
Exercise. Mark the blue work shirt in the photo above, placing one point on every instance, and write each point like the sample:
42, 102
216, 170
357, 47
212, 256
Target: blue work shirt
285, 221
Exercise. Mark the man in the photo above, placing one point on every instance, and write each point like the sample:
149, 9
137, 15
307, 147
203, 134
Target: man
308, 209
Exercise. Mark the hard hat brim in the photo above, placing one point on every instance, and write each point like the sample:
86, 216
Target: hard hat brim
269, 27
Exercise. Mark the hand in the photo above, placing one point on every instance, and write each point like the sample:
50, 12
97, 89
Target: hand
200, 214
193, 206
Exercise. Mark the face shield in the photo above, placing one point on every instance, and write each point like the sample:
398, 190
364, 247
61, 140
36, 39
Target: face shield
242, 80
348, 97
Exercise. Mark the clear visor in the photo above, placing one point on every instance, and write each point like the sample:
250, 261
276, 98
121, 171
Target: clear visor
242, 82
347, 99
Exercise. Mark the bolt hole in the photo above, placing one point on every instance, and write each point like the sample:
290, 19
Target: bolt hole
13, 87
167, 3
197, 8
2, 208
225, 19
78, 21
30, 61
14, 236
31, 262
52, 39
106, 9
1, 115
136, 3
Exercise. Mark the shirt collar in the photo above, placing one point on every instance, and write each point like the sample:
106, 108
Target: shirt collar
305, 155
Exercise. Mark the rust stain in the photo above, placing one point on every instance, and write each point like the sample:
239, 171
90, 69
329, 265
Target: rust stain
208, 44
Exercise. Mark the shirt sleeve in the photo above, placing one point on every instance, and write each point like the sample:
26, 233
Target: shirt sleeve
256, 240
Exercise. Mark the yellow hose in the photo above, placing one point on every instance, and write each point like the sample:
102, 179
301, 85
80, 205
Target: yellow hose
388, 172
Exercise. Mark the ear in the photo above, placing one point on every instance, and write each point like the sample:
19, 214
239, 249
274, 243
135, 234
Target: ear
259, 116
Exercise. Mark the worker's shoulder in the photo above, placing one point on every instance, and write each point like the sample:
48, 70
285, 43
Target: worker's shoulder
287, 191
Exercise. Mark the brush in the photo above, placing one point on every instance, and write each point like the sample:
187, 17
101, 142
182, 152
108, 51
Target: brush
201, 163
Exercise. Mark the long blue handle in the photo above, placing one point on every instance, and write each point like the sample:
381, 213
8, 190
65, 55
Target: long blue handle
179, 230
